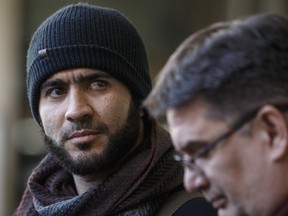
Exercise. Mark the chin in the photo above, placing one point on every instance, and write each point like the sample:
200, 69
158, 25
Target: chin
230, 211
85, 152
84, 164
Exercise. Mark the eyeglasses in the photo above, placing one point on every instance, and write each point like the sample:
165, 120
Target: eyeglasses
247, 117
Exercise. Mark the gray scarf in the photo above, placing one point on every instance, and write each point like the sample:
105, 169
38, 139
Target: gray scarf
139, 187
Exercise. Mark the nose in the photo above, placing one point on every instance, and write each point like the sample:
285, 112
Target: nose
195, 180
78, 107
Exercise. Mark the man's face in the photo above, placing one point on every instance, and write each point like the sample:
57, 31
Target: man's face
230, 175
89, 120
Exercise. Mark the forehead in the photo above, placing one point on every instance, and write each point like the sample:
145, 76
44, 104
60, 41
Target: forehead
193, 122
78, 72
196, 111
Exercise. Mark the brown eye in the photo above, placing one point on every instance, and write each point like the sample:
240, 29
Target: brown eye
98, 85
56, 92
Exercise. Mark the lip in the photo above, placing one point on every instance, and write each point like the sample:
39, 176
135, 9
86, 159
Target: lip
82, 136
218, 202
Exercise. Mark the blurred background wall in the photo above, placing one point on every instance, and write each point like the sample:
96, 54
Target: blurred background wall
163, 24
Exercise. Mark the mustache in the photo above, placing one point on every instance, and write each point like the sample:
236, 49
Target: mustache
99, 127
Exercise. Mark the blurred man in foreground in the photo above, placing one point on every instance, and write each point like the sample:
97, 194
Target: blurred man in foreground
225, 95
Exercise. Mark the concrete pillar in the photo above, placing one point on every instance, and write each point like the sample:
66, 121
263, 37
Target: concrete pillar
10, 58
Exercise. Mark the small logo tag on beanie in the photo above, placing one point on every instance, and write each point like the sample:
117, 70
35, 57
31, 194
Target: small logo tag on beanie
43, 53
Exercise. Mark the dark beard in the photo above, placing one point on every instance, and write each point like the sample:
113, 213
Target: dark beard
119, 144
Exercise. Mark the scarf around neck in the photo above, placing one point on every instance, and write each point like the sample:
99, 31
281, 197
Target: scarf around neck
139, 187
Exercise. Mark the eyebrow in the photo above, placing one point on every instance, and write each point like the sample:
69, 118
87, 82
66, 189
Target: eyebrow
84, 78
78, 79
51, 83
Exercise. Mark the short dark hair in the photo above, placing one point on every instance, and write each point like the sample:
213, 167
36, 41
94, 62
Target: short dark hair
232, 66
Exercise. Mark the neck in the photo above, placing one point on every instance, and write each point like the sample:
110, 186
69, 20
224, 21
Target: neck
84, 183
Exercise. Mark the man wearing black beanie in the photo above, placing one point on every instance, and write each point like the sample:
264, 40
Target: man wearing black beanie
87, 74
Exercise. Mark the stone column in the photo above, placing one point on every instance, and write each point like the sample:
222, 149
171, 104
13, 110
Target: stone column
10, 58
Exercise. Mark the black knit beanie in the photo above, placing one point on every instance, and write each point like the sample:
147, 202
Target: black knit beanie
83, 35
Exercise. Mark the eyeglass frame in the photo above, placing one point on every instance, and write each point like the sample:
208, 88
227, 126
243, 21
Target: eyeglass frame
244, 119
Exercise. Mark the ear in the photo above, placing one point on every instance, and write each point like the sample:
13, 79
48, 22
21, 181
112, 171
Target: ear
275, 124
